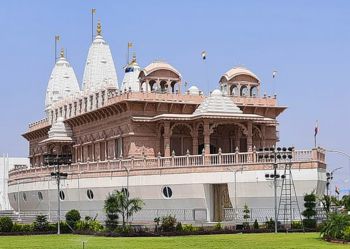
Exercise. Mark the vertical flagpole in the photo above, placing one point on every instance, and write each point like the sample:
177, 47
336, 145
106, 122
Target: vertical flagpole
274, 74
93, 11
57, 38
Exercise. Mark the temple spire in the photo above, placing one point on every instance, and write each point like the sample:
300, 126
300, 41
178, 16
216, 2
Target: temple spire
99, 28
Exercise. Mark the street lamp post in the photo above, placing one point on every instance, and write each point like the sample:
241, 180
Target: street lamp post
330, 178
235, 177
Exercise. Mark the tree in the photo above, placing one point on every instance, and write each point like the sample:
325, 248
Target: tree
118, 203
246, 216
335, 225
40, 223
72, 217
309, 212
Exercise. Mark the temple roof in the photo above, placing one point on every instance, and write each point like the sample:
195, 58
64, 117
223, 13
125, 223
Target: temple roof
216, 103
239, 71
62, 82
99, 69
160, 65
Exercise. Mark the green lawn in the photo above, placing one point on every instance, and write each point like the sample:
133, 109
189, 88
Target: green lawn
307, 240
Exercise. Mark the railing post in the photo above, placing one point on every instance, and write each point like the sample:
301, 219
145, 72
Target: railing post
203, 156
144, 161
187, 157
254, 154
237, 155
172, 158
132, 161
219, 156
158, 159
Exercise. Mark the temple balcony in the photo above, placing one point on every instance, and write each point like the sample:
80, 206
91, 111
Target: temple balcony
301, 159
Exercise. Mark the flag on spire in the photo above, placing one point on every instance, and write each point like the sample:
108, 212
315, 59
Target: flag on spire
129, 44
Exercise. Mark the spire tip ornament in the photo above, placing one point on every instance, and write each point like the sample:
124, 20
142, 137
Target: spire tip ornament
99, 28
62, 53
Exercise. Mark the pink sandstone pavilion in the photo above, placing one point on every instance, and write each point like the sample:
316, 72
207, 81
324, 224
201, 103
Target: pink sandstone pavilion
198, 157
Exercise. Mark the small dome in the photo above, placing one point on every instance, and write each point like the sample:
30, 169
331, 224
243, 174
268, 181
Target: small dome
233, 72
216, 92
193, 90
160, 65
216, 103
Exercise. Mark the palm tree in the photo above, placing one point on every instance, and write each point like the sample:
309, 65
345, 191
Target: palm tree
119, 203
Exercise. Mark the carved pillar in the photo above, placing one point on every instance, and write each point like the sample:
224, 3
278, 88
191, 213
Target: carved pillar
206, 133
166, 139
250, 137
81, 153
195, 141
106, 150
263, 136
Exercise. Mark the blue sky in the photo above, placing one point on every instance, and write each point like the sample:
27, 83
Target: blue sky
306, 41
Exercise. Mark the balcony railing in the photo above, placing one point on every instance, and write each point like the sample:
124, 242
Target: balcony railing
187, 161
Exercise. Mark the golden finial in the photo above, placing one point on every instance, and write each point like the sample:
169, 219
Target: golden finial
62, 53
99, 28
133, 58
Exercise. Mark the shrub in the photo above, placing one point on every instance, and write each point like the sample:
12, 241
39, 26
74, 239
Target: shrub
168, 223
296, 225
157, 221
270, 224
22, 228
188, 228
309, 212
72, 217
346, 232
40, 223
218, 226
89, 226
179, 227
111, 222
335, 226
124, 229
6, 224
256, 224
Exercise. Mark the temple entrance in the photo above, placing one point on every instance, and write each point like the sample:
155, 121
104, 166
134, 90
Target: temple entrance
221, 200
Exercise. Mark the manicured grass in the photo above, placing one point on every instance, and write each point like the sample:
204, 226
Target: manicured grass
242, 241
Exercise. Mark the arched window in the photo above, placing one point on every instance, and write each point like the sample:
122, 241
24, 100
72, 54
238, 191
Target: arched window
40, 196
234, 91
254, 91
62, 195
167, 192
90, 194
244, 91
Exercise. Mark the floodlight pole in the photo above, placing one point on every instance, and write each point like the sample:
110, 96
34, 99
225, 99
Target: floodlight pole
58, 178
275, 190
